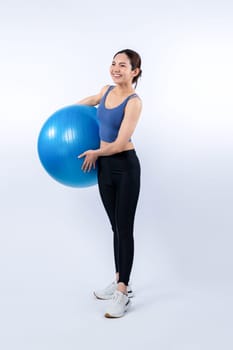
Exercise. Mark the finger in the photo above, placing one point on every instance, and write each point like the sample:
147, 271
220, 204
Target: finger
84, 166
89, 167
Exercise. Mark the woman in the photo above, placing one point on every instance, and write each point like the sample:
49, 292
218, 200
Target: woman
118, 169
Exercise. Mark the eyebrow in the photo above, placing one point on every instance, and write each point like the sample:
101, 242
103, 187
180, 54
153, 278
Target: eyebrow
123, 62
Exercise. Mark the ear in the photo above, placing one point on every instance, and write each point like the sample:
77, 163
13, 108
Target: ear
136, 71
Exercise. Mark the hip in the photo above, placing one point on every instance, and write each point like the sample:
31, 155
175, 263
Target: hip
123, 161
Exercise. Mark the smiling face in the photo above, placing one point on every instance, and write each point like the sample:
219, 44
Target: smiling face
121, 69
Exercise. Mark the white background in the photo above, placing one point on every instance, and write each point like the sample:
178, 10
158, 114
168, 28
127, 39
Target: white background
56, 243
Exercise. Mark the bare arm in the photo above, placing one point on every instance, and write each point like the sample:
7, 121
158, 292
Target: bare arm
94, 99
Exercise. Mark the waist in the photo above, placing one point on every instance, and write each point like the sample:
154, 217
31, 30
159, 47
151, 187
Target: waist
121, 155
129, 146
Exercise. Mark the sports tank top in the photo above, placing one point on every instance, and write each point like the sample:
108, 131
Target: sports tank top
110, 118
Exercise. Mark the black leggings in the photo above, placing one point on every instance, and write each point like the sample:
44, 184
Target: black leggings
119, 185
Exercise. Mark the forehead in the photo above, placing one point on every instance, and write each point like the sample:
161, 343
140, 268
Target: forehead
121, 57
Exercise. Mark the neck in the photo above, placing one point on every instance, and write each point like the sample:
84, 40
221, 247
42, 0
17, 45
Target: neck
123, 89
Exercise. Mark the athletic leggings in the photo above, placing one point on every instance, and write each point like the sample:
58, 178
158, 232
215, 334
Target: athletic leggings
119, 185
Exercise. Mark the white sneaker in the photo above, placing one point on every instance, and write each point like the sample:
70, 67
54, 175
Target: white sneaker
107, 292
119, 305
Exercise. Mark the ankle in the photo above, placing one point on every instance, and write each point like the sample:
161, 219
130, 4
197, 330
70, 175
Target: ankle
121, 287
117, 277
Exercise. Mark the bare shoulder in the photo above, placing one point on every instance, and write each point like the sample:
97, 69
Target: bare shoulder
133, 109
135, 103
103, 90
97, 97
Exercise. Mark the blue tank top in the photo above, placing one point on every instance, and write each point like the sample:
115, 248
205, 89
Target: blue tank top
110, 118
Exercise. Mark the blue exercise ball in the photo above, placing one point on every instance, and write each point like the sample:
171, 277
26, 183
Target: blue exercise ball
67, 133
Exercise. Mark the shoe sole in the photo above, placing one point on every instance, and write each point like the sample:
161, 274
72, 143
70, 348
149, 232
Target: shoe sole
108, 315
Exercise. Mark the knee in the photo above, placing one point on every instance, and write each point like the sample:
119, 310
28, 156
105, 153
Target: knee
125, 232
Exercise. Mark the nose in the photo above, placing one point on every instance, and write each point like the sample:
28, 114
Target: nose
116, 68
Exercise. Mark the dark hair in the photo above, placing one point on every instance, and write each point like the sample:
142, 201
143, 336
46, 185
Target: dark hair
135, 61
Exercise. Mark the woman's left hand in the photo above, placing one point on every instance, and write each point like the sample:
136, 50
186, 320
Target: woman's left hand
90, 160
